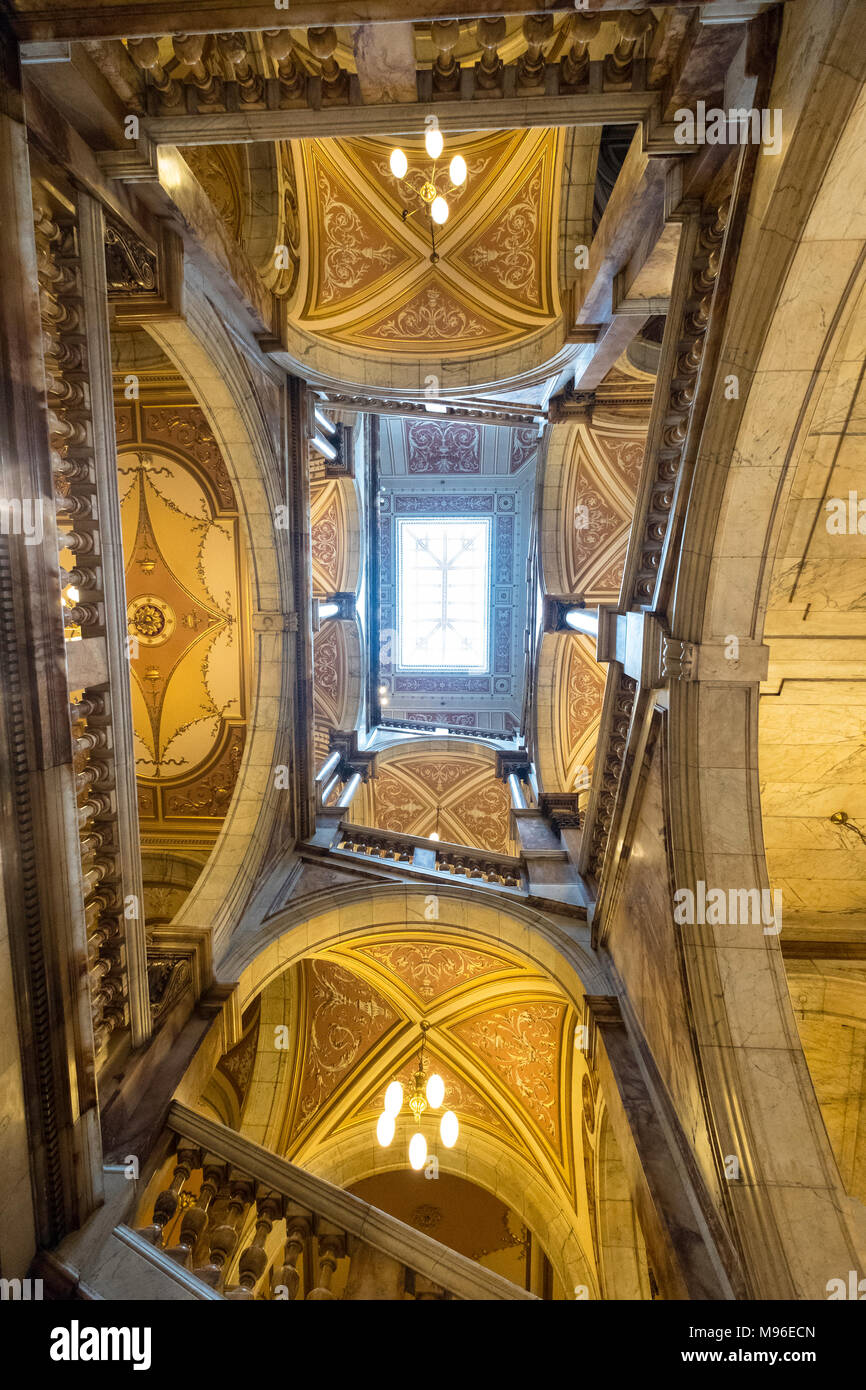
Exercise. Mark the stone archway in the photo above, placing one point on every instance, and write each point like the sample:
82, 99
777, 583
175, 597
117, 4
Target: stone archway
243, 411
341, 926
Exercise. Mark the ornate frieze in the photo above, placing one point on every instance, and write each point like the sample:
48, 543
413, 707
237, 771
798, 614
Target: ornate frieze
681, 388
130, 265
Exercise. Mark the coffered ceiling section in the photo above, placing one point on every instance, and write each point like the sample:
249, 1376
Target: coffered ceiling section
369, 281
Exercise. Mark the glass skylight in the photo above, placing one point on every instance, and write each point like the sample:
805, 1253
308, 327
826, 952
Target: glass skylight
443, 593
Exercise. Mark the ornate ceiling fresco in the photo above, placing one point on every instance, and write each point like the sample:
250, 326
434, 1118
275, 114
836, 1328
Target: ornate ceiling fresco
329, 537
336, 544
500, 1036
186, 601
595, 471
436, 468
590, 485
421, 785
579, 681
368, 282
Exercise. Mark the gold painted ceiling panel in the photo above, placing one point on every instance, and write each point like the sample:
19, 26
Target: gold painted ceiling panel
432, 969
522, 1044
416, 792
184, 587
369, 277
346, 1019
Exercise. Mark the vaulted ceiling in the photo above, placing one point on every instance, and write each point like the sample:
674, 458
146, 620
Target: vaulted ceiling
441, 786
501, 1037
187, 619
368, 282
591, 478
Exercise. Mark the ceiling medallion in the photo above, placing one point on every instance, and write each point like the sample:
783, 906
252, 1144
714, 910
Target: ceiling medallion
427, 1092
150, 619
427, 191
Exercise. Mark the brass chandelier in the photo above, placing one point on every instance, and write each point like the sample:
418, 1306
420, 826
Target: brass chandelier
427, 1092
427, 190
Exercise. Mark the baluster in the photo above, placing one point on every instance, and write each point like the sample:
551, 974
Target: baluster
164, 1208
145, 54
83, 615
226, 1231
287, 1276
280, 49
631, 27
537, 29
253, 1261
445, 34
331, 1246
574, 63
234, 48
335, 81
195, 1218
189, 49
488, 69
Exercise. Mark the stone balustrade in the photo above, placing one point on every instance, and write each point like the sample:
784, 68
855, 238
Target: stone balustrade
252, 1226
431, 856
461, 730
284, 69
92, 618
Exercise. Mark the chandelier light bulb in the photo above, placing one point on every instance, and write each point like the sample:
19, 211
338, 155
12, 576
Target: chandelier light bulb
449, 1129
385, 1129
393, 1099
439, 210
435, 835
399, 164
457, 170
435, 1091
418, 1151
434, 143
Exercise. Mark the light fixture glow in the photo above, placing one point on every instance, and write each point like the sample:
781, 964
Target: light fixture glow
393, 1098
439, 210
434, 836
385, 1129
426, 1093
399, 164
449, 1129
435, 1091
457, 170
433, 143
72, 595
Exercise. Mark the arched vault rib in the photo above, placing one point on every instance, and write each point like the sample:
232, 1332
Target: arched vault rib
244, 417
